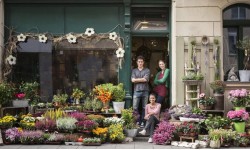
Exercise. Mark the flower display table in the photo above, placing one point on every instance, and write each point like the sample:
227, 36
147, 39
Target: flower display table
16, 110
187, 138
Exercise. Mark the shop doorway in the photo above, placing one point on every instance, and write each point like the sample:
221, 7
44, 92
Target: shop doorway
152, 49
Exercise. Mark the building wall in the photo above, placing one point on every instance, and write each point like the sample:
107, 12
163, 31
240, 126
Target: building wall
196, 18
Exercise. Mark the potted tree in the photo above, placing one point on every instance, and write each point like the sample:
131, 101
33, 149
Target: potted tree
130, 125
218, 87
118, 96
245, 46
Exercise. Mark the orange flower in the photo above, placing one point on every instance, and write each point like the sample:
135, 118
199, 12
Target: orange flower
103, 95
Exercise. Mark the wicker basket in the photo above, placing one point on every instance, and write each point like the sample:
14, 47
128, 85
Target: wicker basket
20, 103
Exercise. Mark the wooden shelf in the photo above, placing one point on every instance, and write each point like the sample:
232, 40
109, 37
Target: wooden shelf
192, 91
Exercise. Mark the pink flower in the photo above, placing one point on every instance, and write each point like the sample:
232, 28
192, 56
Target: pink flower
20, 95
202, 95
238, 115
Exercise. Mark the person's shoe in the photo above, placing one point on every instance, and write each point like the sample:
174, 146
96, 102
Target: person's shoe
150, 140
142, 125
143, 132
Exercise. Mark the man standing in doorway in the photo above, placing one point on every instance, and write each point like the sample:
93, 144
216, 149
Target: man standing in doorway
140, 78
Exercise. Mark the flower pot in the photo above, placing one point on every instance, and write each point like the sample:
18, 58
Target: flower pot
239, 108
215, 144
20, 103
118, 106
219, 98
244, 75
131, 132
239, 127
204, 107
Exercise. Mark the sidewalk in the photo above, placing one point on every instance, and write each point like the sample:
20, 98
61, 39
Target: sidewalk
139, 143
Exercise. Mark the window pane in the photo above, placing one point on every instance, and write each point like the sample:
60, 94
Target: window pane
83, 69
150, 19
237, 12
230, 57
242, 13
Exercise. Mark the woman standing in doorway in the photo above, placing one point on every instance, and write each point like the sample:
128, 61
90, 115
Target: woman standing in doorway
161, 82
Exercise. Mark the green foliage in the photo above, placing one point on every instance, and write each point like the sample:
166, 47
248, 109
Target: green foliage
129, 118
216, 122
61, 98
6, 93
87, 104
218, 86
118, 93
31, 91
66, 123
193, 76
96, 104
207, 101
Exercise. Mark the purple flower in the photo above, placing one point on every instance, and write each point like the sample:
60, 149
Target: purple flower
46, 124
78, 116
86, 124
163, 133
12, 134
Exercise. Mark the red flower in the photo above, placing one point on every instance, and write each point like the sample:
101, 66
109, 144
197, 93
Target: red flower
20, 95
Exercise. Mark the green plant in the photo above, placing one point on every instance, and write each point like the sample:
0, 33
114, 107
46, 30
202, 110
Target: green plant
216, 122
61, 98
96, 105
215, 134
115, 132
227, 135
6, 92
66, 123
207, 101
31, 91
51, 114
91, 140
245, 46
193, 76
97, 118
218, 86
118, 93
87, 104
129, 118
77, 94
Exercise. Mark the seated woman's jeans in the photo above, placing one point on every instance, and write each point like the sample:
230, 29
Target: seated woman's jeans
151, 124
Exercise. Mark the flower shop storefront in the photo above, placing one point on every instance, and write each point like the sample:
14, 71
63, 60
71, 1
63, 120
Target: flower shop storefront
59, 52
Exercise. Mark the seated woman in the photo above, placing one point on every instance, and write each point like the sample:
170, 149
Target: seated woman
152, 115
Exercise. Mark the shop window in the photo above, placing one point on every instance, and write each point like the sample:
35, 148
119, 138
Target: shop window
150, 19
83, 69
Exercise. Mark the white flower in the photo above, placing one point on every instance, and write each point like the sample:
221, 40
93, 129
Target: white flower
42, 38
71, 38
11, 60
112, 36
89, 31
120, 52
21, 37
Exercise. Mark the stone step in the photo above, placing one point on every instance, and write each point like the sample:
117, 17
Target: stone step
139, 135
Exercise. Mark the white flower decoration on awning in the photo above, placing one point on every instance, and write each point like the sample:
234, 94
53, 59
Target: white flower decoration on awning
21, 37
71, 38
42, 38
120, 53
112, 36
89, 31
11, 60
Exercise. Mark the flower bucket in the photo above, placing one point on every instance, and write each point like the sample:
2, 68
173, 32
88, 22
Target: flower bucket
118, 106
215, 144
244, 75
239, 108
131, 132
239, 127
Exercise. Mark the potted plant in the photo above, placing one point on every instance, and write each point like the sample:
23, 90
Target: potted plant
218, 87
6, 93
53, 138
97, 118
239, 98
96, 105
227, 136
12, 135
48, 125
164, 133
103, 92
239, 117
7, 122
245, 46
20, 100
215, 136
101, 133
78, 116
77, 95
92, 141
130, 125
32, 137
115, 132
59, 99
66, 124
27, 122
216, 122
118, 96
87, 104
193, 76
41, 105
112, 121
206, 103
86, 126
31, 91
